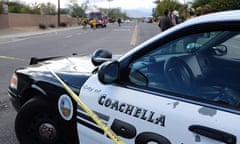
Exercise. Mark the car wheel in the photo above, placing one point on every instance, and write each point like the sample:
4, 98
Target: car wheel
36, 123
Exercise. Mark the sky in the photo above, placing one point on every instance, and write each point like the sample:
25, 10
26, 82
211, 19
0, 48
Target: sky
133, 8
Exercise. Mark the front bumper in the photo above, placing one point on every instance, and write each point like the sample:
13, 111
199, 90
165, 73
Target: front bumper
14, 100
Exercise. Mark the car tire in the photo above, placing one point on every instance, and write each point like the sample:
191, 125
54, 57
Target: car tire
36, 123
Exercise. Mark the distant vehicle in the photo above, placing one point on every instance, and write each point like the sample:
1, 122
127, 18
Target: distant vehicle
111, 20
148, 19
127, 21
100, 17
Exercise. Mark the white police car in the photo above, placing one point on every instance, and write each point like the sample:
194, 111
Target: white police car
180, 87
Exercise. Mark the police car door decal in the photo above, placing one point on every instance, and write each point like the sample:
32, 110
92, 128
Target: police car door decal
142, 118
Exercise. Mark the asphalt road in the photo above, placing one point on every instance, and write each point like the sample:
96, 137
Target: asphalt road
16, 51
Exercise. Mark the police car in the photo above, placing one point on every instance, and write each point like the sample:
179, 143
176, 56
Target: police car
180, 87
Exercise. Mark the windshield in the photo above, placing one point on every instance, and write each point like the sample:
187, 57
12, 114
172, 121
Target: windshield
95, 16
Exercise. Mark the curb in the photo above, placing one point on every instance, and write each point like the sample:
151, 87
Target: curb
37, 32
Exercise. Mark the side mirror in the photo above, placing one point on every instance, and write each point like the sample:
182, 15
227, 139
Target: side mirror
100, 56
220, 50
109, 72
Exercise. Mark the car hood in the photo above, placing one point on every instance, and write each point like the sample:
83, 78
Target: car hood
64, 64
72, 70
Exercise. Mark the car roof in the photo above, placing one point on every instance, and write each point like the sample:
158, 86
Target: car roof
232, 15
218, 17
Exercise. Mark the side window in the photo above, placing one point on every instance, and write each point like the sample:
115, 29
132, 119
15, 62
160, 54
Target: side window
148, 70
232, 46
186, 66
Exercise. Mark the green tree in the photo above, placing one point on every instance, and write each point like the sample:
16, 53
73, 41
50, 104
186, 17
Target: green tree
207, 6
167, 4
35, 8
48, 8
114, 13
1, 7
85, 6
15, 7
64, 11
77, 11
200, 3
221, 5
18, 7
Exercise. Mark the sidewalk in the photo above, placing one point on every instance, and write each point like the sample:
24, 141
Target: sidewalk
16, 30
28, 31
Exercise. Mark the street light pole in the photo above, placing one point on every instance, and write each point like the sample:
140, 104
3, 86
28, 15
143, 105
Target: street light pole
58, 12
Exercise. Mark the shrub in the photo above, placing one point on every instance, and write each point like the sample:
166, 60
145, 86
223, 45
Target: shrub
63, 24
42, 26
51, 26
1, 7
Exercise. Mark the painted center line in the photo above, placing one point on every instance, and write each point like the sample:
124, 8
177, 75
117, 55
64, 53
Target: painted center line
11, 58
134, 36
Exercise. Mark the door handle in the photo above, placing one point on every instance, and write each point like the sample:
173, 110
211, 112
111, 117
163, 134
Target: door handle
213, 134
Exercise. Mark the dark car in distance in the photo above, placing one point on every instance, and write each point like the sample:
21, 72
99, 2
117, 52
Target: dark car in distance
179, 87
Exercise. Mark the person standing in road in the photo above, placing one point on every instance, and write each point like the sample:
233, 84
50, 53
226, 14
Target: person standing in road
191, 13
84, 23
94, 23
165, 22
174, 17
119, 22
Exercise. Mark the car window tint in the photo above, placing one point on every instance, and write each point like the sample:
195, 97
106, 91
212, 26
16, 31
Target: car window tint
190, 67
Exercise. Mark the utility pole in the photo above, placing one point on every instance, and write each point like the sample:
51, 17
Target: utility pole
109, 4
109, 9
58, 12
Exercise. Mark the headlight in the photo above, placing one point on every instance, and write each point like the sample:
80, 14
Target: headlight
13, 81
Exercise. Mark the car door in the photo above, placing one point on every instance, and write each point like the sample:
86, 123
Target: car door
163, 97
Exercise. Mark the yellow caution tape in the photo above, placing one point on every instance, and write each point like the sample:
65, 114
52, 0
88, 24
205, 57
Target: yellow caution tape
99, 122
